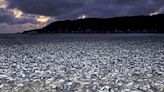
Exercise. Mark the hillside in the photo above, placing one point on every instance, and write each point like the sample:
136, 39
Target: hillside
133, 24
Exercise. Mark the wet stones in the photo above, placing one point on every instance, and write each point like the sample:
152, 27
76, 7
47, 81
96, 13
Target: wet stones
115, 65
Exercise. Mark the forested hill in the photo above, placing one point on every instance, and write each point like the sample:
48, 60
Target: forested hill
133, 24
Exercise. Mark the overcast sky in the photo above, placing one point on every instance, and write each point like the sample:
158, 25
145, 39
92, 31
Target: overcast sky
20, 15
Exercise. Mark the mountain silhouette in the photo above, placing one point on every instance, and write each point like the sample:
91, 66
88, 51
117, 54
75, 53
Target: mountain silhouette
133, 24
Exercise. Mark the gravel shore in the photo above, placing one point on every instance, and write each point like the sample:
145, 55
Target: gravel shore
82, 63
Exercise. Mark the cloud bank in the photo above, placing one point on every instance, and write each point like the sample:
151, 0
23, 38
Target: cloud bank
42, 12
94, 8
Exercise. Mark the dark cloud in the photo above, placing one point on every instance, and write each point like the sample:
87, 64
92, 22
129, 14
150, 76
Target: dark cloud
94, 8
14, 28
7, 16
72, 9
112, 8
46, 7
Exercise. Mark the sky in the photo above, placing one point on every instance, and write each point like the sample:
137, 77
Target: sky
21, 15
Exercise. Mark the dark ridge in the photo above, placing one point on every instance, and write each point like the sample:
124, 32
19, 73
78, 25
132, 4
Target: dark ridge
134, 24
